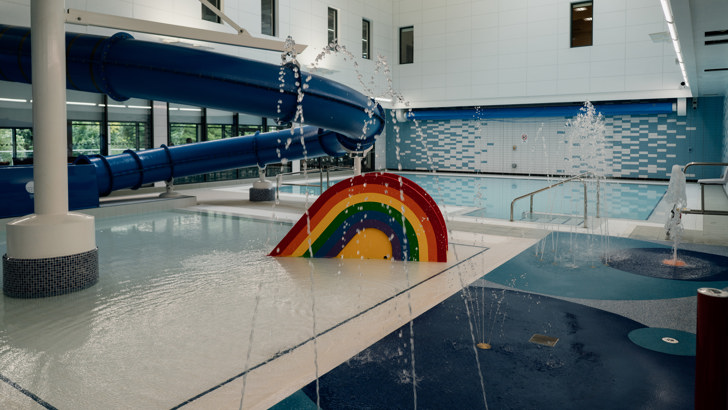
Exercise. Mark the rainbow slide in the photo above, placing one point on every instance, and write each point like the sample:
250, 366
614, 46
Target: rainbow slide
373, 216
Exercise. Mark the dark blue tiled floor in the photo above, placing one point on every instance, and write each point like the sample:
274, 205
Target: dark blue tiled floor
594, 365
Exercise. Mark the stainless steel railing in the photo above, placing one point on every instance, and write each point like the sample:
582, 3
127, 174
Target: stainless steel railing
326, 170
581, 178
702, 210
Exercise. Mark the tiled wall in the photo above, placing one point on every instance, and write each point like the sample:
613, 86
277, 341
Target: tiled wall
725, 127
635, 146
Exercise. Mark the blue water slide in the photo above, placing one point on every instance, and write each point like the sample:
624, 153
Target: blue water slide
133, 169
339, 119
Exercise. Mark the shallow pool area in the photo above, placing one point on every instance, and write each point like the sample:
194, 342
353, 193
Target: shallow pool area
189, 309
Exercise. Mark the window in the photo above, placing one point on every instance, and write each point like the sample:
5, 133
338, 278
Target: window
219, 131
333, 29
180, 133
16, 146
407, 45
208, 14
85, 137
125, 135
6, 146
365, 39
268, 17
581, 24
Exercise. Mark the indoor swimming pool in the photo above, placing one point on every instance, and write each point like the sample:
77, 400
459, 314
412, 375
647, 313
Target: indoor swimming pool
490, 196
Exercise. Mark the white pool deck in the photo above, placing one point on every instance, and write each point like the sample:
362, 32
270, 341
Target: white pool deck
357, 302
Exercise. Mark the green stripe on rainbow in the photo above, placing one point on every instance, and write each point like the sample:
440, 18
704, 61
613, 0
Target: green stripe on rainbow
366, 215
409, 220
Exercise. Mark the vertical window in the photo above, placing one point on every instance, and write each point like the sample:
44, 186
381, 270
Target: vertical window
333, 29
365, 39
85, 137
125, 135
208, 14
268, 17
406, 45
23, 148
6, 146
581, 24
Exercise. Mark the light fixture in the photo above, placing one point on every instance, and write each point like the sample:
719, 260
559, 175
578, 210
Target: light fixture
667, 11
90, 104
18, 100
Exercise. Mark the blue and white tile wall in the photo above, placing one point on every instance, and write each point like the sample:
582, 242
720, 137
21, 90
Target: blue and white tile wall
636, 146
725, 127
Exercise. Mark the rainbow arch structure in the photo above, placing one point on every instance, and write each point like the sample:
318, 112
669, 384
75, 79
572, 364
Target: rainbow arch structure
373, 216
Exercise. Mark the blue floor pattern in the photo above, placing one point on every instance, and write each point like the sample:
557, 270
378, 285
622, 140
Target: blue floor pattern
594, 364
608, 268
601, 360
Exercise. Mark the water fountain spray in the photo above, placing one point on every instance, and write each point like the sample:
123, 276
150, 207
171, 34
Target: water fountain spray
678, 197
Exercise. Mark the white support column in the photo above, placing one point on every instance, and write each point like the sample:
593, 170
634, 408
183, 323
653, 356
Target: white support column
49, 107
51, 251
160, 128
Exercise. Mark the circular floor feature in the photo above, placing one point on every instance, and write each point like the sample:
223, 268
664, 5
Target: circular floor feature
649, 262
670, 341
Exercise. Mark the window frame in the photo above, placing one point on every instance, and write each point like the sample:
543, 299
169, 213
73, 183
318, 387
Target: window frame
208, 15
404, 57
585, 39
272, 18
366, 39
332, 32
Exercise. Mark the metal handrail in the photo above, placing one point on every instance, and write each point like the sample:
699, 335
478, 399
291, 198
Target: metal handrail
580, 177
702, 210
327, 170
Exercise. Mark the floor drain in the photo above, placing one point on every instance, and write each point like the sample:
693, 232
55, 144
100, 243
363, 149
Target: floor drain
543, 340
670, 340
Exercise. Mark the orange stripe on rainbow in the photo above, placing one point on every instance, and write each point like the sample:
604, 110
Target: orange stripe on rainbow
376, 201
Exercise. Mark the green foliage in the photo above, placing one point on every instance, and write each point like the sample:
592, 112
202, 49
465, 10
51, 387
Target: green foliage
180, 134
6, 144
85, 137
127, 135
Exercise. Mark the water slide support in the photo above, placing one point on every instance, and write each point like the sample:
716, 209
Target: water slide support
53, 251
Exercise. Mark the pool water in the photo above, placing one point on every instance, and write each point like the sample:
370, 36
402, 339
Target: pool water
188, 305
491, 196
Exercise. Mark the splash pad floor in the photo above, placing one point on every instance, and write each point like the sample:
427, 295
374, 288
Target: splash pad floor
193, 362
593, 365
189, 312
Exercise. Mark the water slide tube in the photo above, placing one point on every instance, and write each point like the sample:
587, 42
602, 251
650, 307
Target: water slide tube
340, 119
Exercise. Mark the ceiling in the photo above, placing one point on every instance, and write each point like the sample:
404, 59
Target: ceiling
706, 64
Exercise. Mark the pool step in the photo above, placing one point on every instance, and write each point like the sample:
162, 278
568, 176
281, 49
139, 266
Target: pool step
549, 218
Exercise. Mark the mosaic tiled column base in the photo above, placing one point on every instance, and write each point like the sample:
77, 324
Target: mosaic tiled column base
39, 278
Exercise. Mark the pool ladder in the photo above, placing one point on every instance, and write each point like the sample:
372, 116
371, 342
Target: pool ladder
308, 172
583, 178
